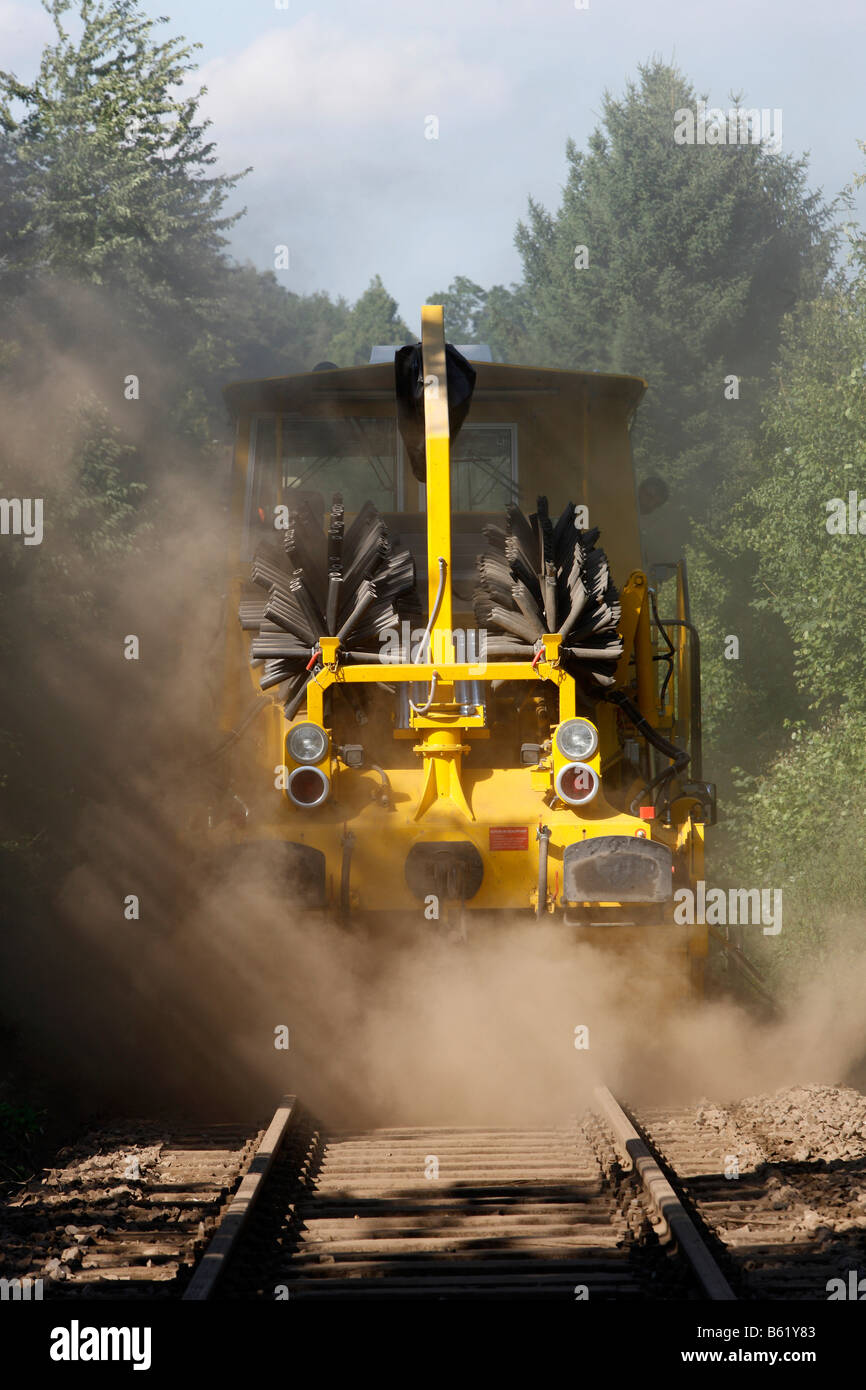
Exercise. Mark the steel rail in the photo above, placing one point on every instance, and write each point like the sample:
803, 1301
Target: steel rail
664, 1199
218, 1253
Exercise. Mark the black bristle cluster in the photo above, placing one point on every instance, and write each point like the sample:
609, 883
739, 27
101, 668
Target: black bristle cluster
349, 584
541, 576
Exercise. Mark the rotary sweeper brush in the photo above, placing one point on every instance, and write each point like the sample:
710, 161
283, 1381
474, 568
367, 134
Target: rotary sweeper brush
349, 585
544, 578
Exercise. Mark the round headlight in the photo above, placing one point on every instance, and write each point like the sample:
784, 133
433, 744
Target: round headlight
308, 743
577, 739
576, 784
308, 786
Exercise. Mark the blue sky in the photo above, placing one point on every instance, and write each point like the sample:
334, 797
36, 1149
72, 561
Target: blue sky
329, 102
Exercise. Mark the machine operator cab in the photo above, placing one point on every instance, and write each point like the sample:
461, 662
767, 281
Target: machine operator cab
530, 431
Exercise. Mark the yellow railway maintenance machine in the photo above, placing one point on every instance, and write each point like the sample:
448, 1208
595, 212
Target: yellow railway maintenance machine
507, 735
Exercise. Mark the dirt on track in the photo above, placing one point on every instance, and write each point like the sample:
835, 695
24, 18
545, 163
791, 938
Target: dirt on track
780, 1181
125, 1212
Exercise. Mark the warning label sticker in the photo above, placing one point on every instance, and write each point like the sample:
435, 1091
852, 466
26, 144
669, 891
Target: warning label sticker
509, 837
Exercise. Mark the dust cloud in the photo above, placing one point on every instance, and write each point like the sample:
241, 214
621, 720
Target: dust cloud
182, 1015
178, 1011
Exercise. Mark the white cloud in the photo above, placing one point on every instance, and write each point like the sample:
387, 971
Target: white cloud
332, 118
329, 109
319, 80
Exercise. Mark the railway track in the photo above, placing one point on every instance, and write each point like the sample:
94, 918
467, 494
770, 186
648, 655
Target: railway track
764, 1200
124, 1213
581, 1211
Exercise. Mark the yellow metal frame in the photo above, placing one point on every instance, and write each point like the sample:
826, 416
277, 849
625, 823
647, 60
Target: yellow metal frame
444, 723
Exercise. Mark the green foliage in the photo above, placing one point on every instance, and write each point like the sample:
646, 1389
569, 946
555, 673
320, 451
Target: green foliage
104, 498
800, 826
694, 255
20, 1128
463, 303
54, 600
811, 794
744, 693
475, 315
372, 319
93, 518
111, 221
800, 823
274, 332
112, 164
106, 182
814, 450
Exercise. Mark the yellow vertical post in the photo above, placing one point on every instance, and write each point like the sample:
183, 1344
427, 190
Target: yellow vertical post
438, 449
443, 748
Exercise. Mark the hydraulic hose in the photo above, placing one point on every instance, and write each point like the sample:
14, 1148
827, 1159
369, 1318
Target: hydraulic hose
425, 640
385, 794
422, 709
679, 758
